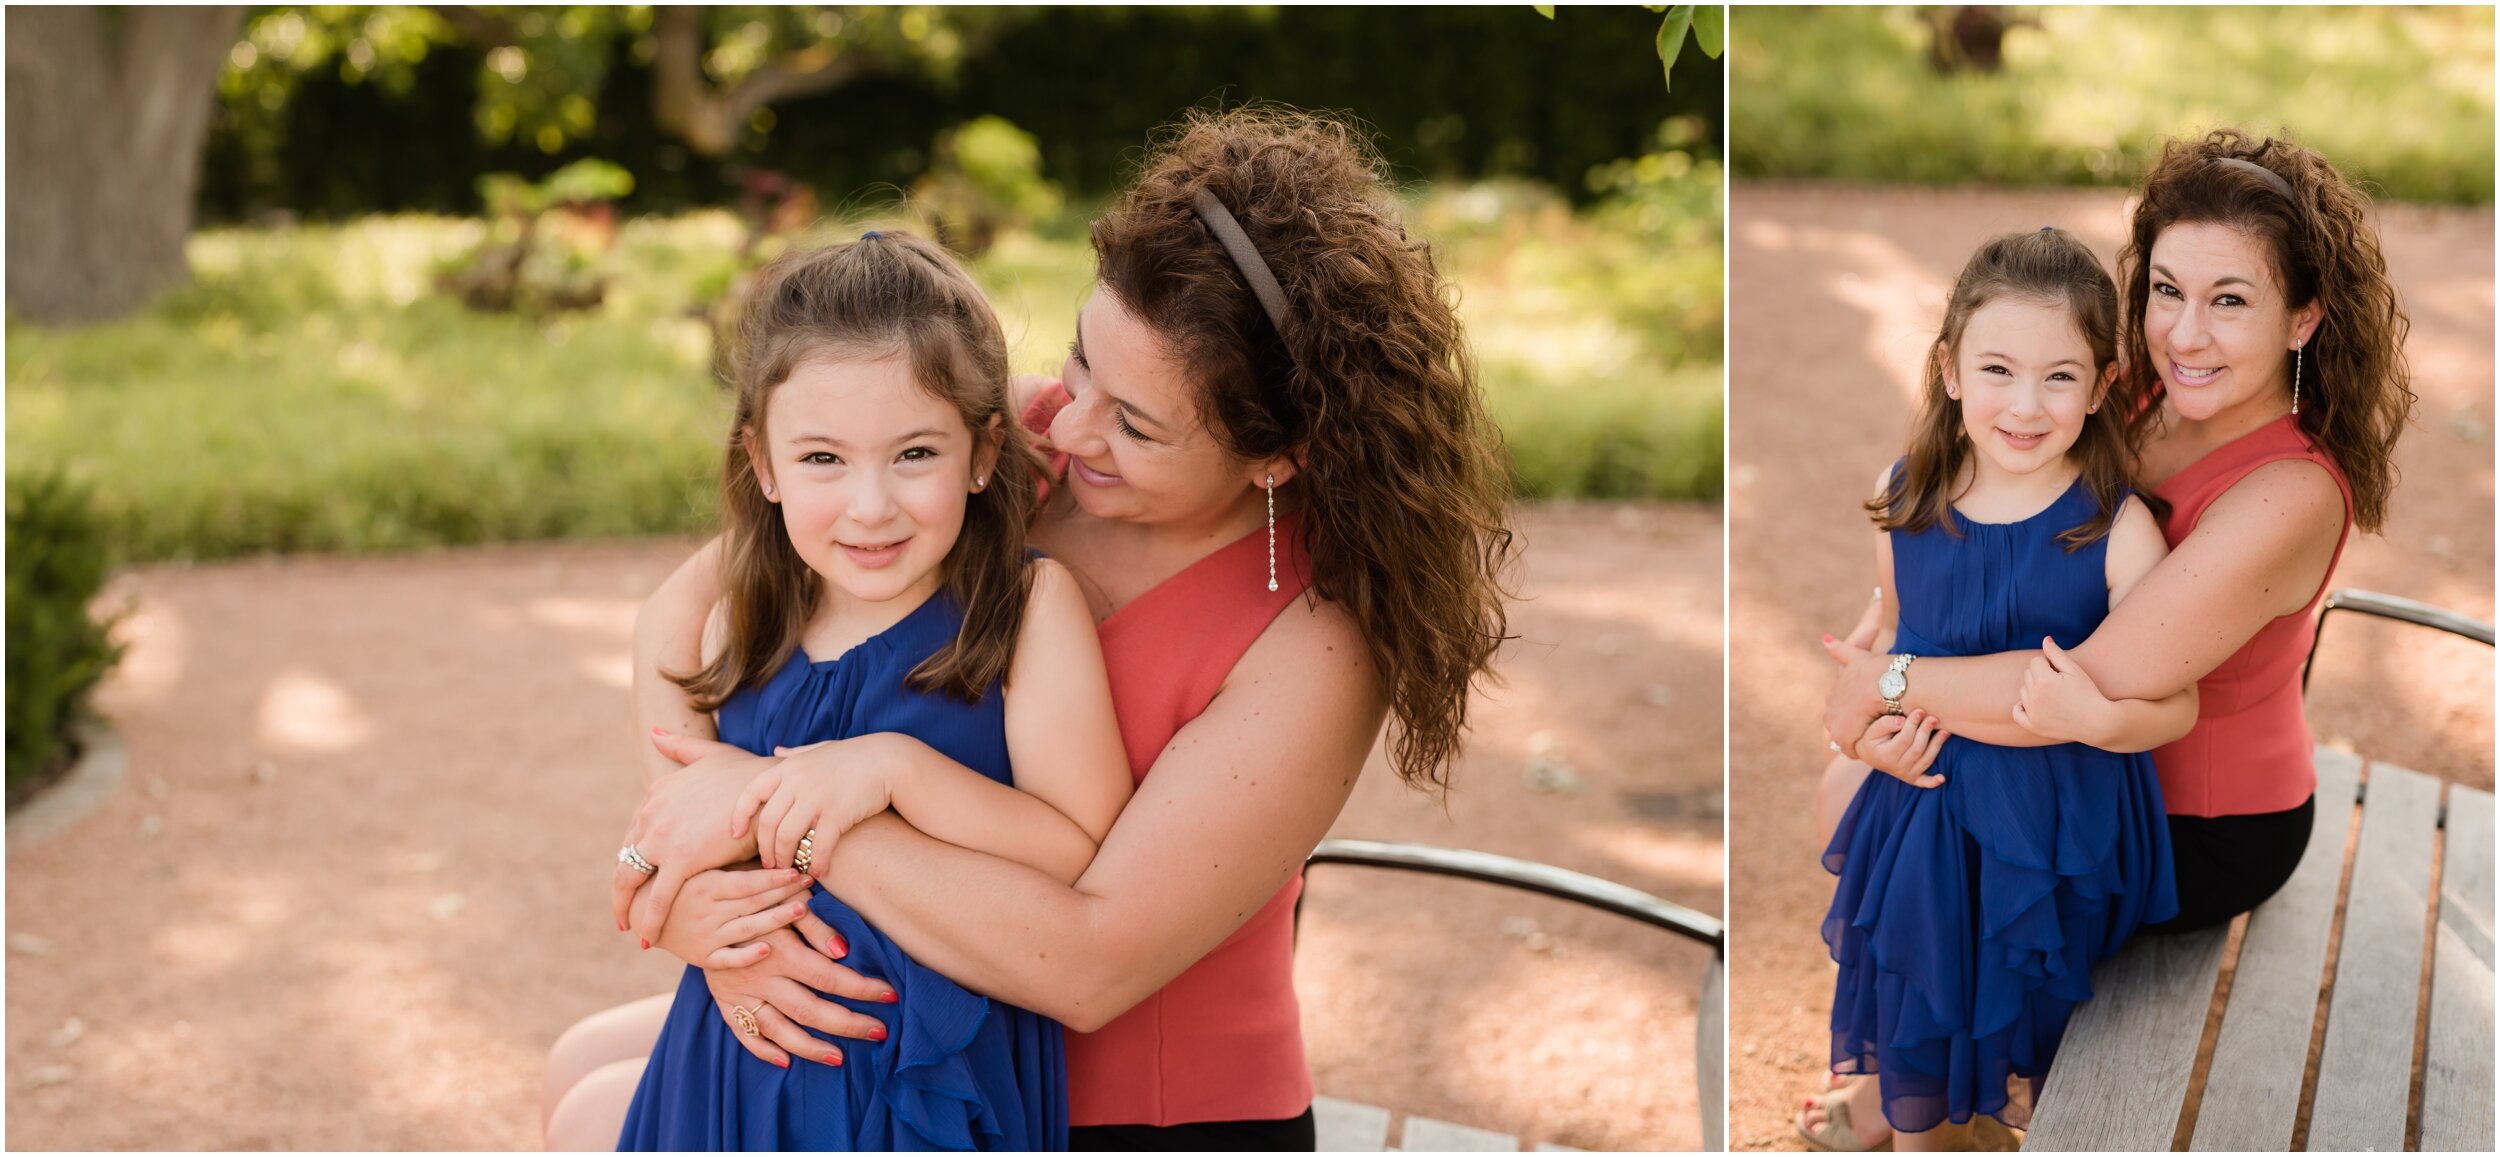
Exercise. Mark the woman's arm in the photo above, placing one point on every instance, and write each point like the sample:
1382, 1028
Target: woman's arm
2059, 700
2260, 552
1071, 773
1235, 803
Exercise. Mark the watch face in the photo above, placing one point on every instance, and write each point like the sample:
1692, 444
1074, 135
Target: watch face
1891, 684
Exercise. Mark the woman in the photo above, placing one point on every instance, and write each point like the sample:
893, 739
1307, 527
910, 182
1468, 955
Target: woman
1285, 502
2264, 366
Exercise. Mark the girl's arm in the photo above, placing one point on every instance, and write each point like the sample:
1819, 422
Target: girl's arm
1071, 772
2059, 700
2260, 552
669, 636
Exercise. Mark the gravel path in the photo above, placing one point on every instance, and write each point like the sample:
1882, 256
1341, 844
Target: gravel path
356, 884
1835, 292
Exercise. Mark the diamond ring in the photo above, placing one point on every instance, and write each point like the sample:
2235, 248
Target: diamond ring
633, 859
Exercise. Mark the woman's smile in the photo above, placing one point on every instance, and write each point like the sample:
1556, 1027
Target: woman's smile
1091, 476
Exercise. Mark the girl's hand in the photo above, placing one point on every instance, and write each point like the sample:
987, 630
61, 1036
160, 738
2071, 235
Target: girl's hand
784, 982
813, 789
2060, 701
678, 827
1904, 747
720, 918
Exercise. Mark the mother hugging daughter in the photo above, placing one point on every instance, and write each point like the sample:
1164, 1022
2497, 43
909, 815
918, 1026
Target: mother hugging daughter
1270, 517
2251, 403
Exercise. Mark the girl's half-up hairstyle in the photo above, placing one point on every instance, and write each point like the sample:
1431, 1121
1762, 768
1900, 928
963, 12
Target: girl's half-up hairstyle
2355, 392
2047, 267
885, 295
1368, 387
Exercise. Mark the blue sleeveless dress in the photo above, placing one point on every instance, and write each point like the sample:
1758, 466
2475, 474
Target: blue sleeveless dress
1967, 917
956, 1071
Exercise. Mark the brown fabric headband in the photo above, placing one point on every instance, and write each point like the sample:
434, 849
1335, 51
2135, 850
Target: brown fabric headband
2271, 177
1245, 256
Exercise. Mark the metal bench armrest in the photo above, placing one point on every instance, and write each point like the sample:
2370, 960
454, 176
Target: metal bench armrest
1544, 879
2392, 607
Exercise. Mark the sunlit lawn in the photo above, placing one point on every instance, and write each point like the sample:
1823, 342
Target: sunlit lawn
311, 391
2400, 98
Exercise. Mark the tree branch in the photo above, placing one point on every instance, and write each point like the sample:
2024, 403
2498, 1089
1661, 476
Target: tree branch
477, 26
690, 108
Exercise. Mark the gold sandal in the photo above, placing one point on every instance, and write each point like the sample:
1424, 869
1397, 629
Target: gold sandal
1836, 1135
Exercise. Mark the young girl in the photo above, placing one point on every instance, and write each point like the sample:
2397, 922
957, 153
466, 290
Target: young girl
876, 579
1980, 881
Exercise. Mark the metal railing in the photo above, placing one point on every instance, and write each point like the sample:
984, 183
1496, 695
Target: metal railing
2402, 610
1710, 1035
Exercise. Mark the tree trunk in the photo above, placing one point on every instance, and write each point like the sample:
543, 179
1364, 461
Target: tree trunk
106, 117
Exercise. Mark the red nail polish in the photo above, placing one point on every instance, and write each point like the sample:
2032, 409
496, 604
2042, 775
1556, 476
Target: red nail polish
877, 1033
646, 945
890, 998
841, 948
834, 1059
783, 1063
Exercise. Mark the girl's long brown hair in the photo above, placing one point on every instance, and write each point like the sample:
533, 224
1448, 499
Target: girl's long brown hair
1370, 388
884, 295
2050, 267
2355, 390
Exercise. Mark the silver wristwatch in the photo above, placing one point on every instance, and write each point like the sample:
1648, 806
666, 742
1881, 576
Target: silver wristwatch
1895, 683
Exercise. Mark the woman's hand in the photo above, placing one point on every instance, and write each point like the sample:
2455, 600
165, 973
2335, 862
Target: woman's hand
682, 827
776, 992
2060, 701
813, 791
1904, 747
720, 918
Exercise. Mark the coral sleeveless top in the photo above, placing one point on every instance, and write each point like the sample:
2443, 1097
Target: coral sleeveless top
1223, 1040
2250, 751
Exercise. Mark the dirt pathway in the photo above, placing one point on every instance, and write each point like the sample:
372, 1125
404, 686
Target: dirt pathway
355, 885
1835, 293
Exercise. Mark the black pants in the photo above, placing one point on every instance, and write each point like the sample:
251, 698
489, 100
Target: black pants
1291, 1135
2229, 864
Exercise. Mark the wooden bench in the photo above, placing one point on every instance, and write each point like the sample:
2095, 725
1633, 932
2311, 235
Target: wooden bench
1346, 1127
2350, 935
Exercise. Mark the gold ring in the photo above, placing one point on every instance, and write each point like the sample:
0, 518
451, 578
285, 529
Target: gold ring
806, 857
746, 1018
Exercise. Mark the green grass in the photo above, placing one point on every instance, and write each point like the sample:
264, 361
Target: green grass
310, 392
2398, 98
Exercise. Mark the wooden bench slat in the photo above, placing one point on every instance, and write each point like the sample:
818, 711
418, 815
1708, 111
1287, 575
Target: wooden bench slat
1347, 1127
2122, 1073
1423, 1134
2456, 1075
1710, 1053
2252, 1092
2365, 1073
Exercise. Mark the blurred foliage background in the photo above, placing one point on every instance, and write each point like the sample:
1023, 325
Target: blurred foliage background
456, 271
2400, 97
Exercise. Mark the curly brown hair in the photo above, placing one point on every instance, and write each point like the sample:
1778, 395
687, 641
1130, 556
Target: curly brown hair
2323, 249
884, 295
2050, 267
1370, 388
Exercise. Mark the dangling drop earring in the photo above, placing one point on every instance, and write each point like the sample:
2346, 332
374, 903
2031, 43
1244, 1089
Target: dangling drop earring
1271, 532
2295, 379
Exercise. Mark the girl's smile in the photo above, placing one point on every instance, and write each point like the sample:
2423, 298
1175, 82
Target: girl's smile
2023, 375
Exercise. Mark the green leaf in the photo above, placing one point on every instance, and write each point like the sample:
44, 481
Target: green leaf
1710, 29
1545, 10
1671, 39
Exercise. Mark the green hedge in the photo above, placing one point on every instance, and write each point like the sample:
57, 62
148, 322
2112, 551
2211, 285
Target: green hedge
2398, 98
311, 392
57, 652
